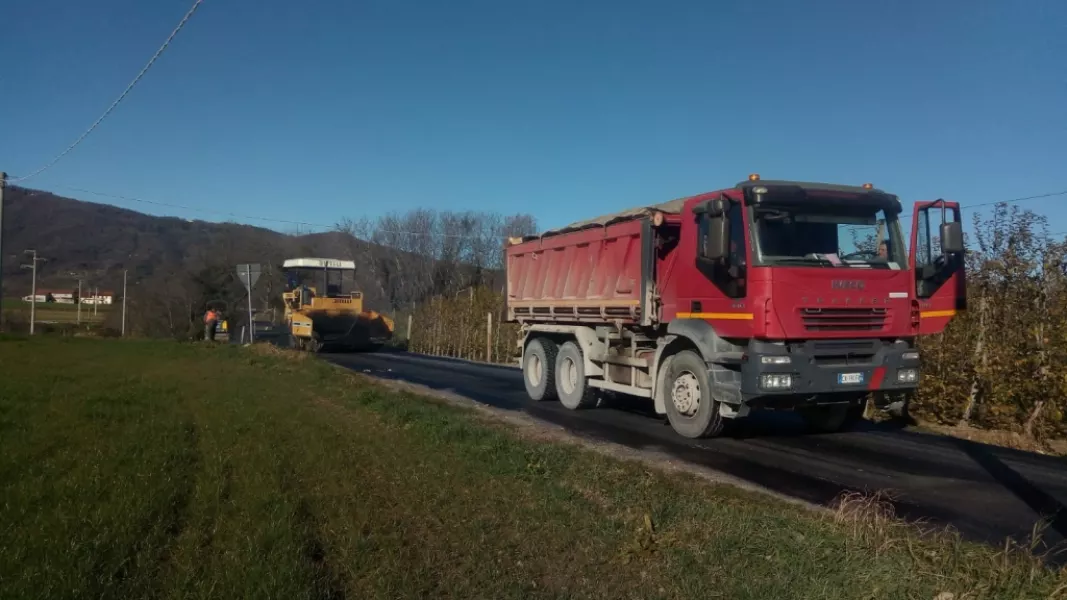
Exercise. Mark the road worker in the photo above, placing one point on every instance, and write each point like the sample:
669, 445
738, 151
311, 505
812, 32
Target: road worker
211, 320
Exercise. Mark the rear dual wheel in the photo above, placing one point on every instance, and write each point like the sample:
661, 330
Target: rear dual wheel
539, 369
551, 371
571, 385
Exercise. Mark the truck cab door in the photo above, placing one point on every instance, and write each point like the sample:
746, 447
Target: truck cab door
936, 259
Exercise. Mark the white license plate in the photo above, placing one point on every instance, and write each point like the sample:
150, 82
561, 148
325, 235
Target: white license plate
847, 378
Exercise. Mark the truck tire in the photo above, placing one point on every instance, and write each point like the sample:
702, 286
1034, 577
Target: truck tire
572, 387
539, 369
691, 409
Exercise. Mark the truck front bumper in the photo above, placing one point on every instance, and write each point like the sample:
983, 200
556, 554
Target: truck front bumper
818, 367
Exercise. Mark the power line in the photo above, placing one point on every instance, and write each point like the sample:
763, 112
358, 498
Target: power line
1011, 201
151, 61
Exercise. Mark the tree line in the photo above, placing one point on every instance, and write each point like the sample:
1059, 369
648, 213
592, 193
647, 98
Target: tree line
402, 260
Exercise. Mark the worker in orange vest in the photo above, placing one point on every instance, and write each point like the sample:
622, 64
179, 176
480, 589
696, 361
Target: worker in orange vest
211, 319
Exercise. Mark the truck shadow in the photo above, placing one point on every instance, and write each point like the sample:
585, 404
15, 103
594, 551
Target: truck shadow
759, 424
1041, 502
788, 430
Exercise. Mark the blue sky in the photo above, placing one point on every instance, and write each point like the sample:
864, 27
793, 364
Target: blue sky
321, 110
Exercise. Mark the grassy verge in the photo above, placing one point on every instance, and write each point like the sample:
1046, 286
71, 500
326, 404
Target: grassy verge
156, 469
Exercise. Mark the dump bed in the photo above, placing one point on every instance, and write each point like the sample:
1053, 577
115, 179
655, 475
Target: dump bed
598, 270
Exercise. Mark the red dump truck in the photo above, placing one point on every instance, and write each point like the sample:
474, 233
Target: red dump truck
767, 295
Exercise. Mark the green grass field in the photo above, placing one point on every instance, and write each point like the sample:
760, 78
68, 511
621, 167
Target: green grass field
151, 469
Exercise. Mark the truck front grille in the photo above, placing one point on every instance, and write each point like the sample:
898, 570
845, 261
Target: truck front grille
844, 319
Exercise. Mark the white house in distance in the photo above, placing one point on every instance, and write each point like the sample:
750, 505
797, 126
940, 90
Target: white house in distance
99, 298
67, 296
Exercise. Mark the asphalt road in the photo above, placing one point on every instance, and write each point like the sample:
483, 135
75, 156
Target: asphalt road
986, 492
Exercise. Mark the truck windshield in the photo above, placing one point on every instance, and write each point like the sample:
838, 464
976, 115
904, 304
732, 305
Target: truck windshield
813, 235
330, 283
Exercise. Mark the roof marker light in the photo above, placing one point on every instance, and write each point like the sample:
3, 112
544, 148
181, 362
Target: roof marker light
753, 177
868, 186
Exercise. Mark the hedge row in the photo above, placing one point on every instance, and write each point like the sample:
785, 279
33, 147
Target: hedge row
469, 325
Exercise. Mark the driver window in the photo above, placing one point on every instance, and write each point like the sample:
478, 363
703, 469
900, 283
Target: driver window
923, 239
737, 235
932, 268
728, 277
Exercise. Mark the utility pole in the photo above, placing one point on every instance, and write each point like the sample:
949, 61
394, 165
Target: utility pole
251, 323
3, 184
96, 299
33, 288
124, 272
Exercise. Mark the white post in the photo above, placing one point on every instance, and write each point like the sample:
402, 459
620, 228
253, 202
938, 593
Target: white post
251, 325
409, 330
79, 301
489, 338
33, 288
33, 298
124, 272
3, 184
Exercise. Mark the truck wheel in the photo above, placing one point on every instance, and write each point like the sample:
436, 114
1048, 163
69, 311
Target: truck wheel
691, 409
297, 343
539, 369
571, 385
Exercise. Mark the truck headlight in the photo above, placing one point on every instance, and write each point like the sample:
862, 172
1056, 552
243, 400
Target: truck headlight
907, 375
775, 360
910, 356
776, 381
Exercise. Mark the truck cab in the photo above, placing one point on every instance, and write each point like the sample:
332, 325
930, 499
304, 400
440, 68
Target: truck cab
769, 294
818, 288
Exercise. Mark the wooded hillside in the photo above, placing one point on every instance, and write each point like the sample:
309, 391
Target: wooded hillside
177, 266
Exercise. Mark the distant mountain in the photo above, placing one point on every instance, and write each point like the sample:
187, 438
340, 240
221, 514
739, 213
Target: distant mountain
179, 265
100, 241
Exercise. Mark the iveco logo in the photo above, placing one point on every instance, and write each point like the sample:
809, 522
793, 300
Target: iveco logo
847, 284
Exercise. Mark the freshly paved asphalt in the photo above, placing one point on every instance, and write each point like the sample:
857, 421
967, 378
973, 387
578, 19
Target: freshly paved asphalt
987, 493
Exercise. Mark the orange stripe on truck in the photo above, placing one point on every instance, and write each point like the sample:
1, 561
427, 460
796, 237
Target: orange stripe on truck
724, 316
933, 314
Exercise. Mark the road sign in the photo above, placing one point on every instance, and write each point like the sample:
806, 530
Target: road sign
249, 274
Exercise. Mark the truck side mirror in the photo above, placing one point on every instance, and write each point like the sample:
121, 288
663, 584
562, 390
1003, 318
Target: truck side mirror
717, 239
711, 208
951, 238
